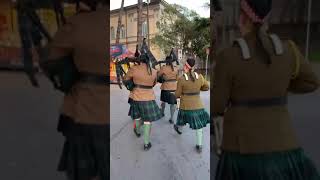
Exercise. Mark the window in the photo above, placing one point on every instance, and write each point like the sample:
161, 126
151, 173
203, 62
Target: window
156, 13
144, 29
122, 32
131, 17
112, 33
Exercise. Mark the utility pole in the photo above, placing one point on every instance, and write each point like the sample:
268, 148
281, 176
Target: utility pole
148, 24
139, 23
119, 23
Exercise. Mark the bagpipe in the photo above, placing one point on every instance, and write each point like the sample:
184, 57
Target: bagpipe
169, 59
142, 55
32, 31
120, 72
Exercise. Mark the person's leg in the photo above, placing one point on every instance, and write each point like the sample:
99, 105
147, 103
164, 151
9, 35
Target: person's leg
137, 127
199, 135
178, 129
163, 107
172, 110
146, 135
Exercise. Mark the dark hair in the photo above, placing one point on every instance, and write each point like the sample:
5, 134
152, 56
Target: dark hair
92, 3
264, 42
169, 62
261, 8
191, 62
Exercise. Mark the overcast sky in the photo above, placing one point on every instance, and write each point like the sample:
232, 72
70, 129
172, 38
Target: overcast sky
196, 5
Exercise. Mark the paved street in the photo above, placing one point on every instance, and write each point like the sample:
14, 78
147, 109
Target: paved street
30, 145
172, 157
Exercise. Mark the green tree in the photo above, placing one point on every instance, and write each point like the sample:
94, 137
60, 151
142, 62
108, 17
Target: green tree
183, 28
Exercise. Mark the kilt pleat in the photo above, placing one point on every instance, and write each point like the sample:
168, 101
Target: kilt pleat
85, 152
146, 110
196, 119
168, 97
288, 165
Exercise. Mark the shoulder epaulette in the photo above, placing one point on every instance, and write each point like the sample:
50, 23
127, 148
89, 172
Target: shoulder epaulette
277, 44
244, 48
197, 75
186, 77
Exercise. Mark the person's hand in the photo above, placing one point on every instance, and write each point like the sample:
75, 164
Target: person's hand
178, 103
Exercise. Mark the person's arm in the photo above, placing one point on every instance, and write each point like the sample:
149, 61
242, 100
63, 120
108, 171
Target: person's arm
160, 77
205, 84
222, 82
62, 43
129, 75
179, 89
305, 80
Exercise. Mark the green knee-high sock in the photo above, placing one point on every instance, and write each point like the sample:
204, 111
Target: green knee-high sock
199, 133
137, 125
172, 110
146, 133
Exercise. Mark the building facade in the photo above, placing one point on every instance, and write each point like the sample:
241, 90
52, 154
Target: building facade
288, 19
129, 27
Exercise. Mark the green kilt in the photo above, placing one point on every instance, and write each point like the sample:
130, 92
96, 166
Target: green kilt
289, 165
86, 150
196, 119
168, 97
146, 110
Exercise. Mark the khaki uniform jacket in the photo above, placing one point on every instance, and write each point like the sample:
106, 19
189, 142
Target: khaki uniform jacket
258, 129
140, 76
193, 102
168, 74
85, 36
131, 94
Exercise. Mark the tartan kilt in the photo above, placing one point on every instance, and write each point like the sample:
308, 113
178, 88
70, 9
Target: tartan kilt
287, 165
146, 110
168, 96
86, 150
196, 119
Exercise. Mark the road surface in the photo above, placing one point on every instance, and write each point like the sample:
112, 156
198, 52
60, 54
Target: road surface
172, 157
30, 145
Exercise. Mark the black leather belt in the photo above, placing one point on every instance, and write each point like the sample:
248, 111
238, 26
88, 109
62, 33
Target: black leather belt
191, 94
94, 78
142, 86
277, 101
170, 80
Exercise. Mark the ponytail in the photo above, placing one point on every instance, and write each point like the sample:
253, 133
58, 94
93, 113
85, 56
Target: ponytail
191, 76
264, 41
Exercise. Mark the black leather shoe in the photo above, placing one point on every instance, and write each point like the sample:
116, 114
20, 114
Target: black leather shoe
199, 148
177, 129
170, 121
136, 132
147, 146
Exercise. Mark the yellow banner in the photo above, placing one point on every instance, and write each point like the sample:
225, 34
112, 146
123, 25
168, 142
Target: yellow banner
9, 35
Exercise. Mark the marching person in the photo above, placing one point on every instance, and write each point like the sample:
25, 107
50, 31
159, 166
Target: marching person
84, 119
143, 107
251, 84
191, 108
135, 126
168, 76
